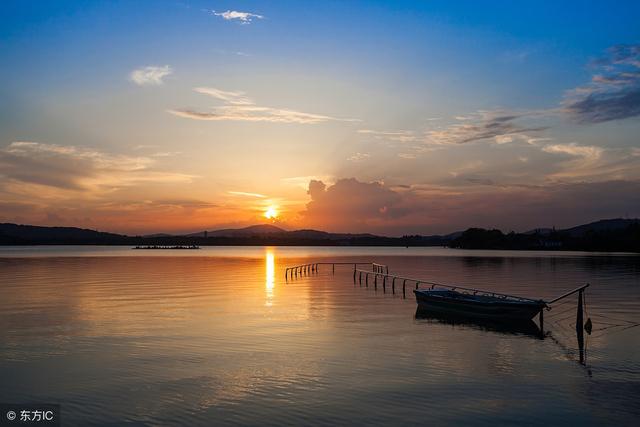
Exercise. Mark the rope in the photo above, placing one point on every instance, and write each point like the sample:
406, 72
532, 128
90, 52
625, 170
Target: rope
613, 318
560, 312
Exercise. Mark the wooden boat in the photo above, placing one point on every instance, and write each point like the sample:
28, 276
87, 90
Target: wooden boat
478, 304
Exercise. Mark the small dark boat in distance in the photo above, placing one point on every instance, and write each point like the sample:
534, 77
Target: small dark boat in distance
167, 247
478, 304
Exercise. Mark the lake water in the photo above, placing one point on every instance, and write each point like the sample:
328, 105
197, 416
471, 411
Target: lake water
218, 337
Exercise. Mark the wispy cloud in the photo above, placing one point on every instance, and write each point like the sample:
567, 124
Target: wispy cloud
358, 157
573, 149
74, 168
246, 194
235, 98
152, 75
243, 18
613, 93
238, 107
498, 126
398, 136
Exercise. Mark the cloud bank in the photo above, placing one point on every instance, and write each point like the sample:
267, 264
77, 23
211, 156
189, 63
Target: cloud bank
352, 205
65, 167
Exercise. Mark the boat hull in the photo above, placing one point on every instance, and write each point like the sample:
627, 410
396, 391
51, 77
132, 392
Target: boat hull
477, 307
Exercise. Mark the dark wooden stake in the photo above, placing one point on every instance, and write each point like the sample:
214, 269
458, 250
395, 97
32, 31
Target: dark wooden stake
580, 327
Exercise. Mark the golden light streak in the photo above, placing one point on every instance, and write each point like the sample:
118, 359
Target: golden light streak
270, 274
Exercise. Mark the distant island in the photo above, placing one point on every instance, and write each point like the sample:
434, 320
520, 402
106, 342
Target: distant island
609, 235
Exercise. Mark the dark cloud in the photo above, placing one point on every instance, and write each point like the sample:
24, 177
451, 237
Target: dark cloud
483, 126
613, 93
353, 206
350, 198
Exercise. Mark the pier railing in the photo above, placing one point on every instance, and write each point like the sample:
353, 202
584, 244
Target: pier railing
381, 272
393, 277
314, 267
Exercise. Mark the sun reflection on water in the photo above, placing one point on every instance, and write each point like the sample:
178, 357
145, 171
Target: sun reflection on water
270, 268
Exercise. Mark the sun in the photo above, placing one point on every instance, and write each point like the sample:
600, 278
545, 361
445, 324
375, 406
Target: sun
271, 212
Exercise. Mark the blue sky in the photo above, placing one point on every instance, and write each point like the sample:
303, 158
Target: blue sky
417, 102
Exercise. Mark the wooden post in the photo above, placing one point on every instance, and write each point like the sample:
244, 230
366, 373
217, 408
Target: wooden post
384, 284
417, 283
360, 278
367, 280
375, 281
580, 327
333, 269
354, 273
393, 286
542, 322
404, 283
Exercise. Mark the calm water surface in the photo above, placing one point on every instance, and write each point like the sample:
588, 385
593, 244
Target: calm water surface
217, 337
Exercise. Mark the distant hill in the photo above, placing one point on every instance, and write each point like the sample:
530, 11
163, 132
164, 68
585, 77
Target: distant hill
605, 235
13, 234
602, 225
609, 235
254, 230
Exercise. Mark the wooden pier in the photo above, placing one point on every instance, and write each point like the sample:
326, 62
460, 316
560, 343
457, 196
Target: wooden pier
381, 272
303, 269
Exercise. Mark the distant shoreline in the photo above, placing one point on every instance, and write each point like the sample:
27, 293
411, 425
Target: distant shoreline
127, 246
611, 235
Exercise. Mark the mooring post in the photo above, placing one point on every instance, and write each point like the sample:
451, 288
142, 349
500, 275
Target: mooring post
417, 283
354, 273
393, 286
404, 283
333, 269
366, 280
387, 269
375, 281
384, 284
580, 325
360, 278
542, 322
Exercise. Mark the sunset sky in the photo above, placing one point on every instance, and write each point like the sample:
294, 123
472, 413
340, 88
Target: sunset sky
385, 117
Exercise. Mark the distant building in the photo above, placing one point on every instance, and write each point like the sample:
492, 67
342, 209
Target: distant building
205, 234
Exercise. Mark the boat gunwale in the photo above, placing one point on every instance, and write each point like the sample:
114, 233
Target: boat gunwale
482, 300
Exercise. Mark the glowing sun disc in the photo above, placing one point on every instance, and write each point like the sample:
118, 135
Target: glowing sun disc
271, 212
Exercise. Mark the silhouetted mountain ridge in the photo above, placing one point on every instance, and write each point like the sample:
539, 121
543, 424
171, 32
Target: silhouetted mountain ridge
604, 235
609, 235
